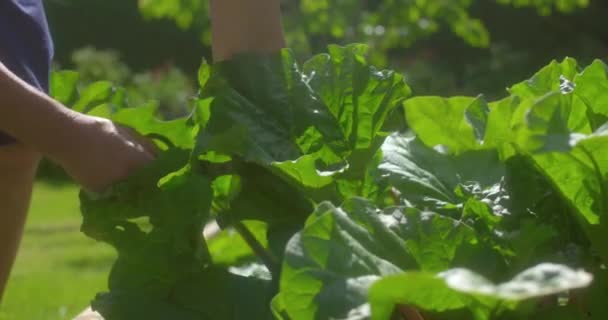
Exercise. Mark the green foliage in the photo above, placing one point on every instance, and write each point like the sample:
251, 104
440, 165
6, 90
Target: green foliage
545, 7
382, 24
185, 13
93, 65
353, 215
166, 84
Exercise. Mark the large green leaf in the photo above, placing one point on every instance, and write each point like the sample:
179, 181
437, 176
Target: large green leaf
544, 113
210, 294
547, 79
496, 199
592, 87
580, 176
453, 125
341, 253
154, 220
331, 263
155, 228
427, 178
305, 124
358, 95
462, 288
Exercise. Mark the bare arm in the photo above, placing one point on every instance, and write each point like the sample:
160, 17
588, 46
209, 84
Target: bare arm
245, 26
31, 116
17, 170
94, 151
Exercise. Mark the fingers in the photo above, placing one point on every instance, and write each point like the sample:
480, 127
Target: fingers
148, 145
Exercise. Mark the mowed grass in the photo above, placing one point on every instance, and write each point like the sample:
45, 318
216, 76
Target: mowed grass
58, 270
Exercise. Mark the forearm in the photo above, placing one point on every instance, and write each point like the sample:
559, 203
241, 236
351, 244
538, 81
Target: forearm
17, 170
33, 118
245, 26
94, 151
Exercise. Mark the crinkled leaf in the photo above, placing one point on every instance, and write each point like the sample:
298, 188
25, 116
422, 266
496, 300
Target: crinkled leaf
592, 87
541, 280
544, 113
546, 80
359, 96
308, 124
580, 176
260, 117
461, 288
445, 124
335, 258
331, 263
258, 194
156, 228
428, 179
433, 239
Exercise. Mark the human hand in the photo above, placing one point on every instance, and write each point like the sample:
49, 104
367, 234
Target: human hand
94, 151
103, 153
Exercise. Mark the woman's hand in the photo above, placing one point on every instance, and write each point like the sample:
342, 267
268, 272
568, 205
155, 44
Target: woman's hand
103, 153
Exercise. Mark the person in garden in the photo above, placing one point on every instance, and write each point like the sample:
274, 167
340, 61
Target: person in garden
95, 152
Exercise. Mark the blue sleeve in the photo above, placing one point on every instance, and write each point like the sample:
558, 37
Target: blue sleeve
25, 44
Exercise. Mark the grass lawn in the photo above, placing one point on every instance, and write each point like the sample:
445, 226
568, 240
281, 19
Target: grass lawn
58, 270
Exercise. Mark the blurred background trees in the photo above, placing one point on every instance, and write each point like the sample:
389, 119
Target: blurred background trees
445, 47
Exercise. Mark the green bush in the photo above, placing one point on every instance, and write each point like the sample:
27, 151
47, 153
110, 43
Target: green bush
356, 201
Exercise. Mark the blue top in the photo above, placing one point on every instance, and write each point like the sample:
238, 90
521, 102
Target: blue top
26, 47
